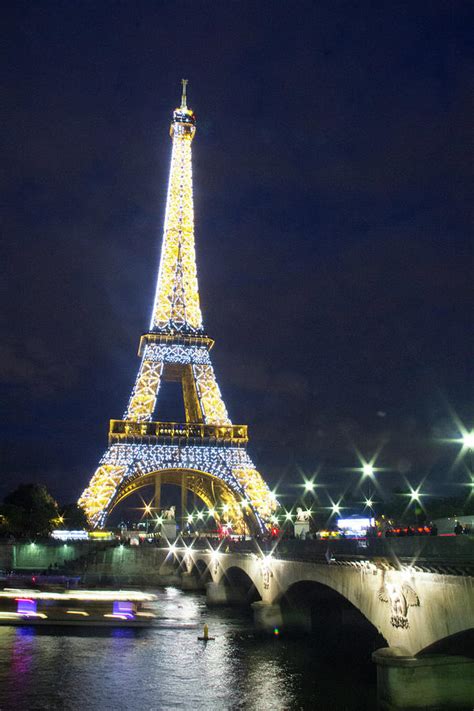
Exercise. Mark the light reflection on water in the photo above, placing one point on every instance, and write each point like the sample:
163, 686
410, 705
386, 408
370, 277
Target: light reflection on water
166, 667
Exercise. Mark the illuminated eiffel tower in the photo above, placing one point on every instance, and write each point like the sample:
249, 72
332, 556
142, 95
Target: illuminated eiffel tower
206, 454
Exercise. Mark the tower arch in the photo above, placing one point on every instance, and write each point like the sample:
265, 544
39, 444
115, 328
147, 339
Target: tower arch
218, 496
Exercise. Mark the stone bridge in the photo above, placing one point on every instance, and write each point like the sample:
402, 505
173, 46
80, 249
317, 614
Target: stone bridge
413, 599
416, 594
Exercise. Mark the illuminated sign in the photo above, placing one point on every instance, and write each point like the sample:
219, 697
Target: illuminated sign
355, 524
63, 535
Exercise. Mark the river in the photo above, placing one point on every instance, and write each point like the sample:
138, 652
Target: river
167, 668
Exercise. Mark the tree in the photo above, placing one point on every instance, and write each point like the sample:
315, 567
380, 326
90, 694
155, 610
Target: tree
29, 510
73, 517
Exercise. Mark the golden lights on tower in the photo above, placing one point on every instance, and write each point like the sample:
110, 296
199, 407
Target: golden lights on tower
207, 450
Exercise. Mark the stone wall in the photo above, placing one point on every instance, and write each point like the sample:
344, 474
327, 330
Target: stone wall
96, 563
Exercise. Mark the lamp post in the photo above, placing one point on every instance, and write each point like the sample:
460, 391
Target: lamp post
468, 443
147, 514
415, 496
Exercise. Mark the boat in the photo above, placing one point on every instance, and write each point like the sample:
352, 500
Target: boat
85, 608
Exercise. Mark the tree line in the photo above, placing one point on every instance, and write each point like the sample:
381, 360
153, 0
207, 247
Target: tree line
30, 511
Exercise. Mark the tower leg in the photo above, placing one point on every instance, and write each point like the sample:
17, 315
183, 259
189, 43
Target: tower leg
157, 503
184, 499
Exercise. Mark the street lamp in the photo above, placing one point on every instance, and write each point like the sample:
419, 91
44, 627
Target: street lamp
415, 497
368, 469
146, 515
467, 440
370, 505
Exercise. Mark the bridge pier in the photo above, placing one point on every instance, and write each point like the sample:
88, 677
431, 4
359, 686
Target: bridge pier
221, 594
157, 501
407, 683
267, 617
190, 582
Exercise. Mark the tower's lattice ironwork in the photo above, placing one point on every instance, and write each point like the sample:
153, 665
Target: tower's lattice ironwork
207, 453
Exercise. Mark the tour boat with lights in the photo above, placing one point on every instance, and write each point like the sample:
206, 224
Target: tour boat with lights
93, 608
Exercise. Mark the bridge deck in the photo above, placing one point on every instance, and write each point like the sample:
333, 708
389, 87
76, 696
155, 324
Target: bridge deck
451, 555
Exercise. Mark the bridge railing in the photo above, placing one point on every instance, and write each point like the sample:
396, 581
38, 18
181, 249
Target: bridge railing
422, 552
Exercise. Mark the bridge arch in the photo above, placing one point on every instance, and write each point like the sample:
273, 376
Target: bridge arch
410, 610
461, 643
309, 606
417, 612
201, 571
241, 583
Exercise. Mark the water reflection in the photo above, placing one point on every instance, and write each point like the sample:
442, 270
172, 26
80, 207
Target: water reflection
166, 667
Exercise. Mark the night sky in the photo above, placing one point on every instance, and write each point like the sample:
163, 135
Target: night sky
331, 172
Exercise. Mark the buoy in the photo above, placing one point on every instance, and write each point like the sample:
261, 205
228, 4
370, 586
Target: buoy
205, 637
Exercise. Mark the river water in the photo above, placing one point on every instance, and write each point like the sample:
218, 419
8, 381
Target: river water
167, 668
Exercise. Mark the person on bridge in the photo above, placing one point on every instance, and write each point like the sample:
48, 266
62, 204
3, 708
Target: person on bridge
458, 529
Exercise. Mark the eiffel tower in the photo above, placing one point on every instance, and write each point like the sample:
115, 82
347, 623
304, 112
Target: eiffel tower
207, 454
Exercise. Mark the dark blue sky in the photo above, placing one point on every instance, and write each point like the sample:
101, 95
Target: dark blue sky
332, 169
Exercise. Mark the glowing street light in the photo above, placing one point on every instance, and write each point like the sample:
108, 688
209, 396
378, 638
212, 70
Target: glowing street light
467, 440
212, 513
147, 509
368, 469
415, 494
336, 509
309, 486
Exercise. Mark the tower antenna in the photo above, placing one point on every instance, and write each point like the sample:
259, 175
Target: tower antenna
183, 95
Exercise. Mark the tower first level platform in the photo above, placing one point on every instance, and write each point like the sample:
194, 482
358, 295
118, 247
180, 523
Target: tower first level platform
206, 454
